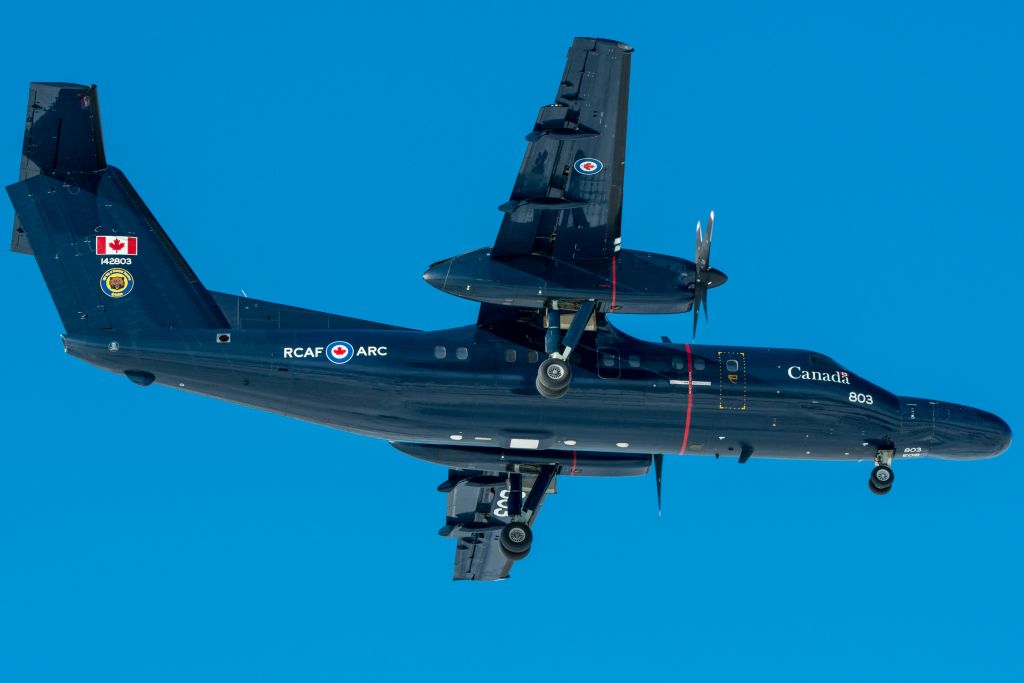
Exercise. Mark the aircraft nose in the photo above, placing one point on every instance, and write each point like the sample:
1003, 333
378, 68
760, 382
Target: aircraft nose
998, 431
965, 432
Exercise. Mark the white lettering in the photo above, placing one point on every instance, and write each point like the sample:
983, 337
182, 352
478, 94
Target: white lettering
303, 351
318, 351
839, 376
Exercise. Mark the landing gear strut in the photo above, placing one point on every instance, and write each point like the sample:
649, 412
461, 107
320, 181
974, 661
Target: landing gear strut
516, 536
882, 477
554, 375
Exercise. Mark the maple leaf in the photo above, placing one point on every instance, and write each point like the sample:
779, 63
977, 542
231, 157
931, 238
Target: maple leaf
116, 245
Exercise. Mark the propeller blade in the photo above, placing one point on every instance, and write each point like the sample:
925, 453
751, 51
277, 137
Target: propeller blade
702, 266
699, 245
658, 462
707, 249
696, 309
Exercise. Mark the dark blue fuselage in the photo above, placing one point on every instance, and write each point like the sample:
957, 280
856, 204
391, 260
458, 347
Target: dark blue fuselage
466, 386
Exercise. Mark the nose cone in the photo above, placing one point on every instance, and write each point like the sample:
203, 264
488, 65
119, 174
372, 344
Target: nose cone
993, 435
437, 273
957, 431
716, 277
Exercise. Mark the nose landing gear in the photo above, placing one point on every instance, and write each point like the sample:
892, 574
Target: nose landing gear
882, 477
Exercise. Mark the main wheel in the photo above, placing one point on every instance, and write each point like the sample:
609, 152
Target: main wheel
554, 374
882, 477
550, 393
515, 539
877, 491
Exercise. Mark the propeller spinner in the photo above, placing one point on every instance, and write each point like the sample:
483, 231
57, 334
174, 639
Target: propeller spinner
705, 276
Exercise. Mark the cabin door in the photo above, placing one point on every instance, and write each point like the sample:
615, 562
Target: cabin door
732, 380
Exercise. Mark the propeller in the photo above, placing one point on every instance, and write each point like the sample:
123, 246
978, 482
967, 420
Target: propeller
659, 460
705, 276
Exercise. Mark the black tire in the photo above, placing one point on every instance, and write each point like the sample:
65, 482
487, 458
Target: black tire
882, 477
554, 374
549, 393
515, 557
877, 491
516, 539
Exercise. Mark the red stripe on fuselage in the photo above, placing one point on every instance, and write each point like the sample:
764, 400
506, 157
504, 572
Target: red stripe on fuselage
613, 282
689, 400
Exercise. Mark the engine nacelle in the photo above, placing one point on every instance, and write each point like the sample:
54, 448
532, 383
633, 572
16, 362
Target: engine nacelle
628, 282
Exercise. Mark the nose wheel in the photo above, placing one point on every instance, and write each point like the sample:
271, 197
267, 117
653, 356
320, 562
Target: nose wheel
882, 477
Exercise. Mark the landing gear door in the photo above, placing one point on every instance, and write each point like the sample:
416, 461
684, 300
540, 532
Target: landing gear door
732, 380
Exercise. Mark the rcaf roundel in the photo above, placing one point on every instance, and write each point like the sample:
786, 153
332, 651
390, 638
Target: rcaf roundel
588, 166
340, 352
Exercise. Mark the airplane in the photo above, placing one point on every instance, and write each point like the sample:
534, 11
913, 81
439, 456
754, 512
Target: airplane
542, 385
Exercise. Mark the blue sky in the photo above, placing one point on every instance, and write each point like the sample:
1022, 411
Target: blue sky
864, 165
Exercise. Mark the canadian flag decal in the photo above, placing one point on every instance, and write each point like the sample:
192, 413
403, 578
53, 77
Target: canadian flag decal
107, 245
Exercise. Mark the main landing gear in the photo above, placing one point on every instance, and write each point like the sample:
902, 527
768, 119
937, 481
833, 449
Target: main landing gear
554, 375
516, 536
882, 477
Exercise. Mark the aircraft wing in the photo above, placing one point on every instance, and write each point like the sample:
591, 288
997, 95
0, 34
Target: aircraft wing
567, 198
477, 510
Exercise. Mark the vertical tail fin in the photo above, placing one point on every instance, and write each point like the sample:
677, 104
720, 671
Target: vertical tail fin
62, 132
107, 262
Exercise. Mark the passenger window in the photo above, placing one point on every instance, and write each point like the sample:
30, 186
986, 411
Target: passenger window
678, 364
634, 361
462, 353
510, 355
732, 365
698, 363
607, 360
440, 352
531, 357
